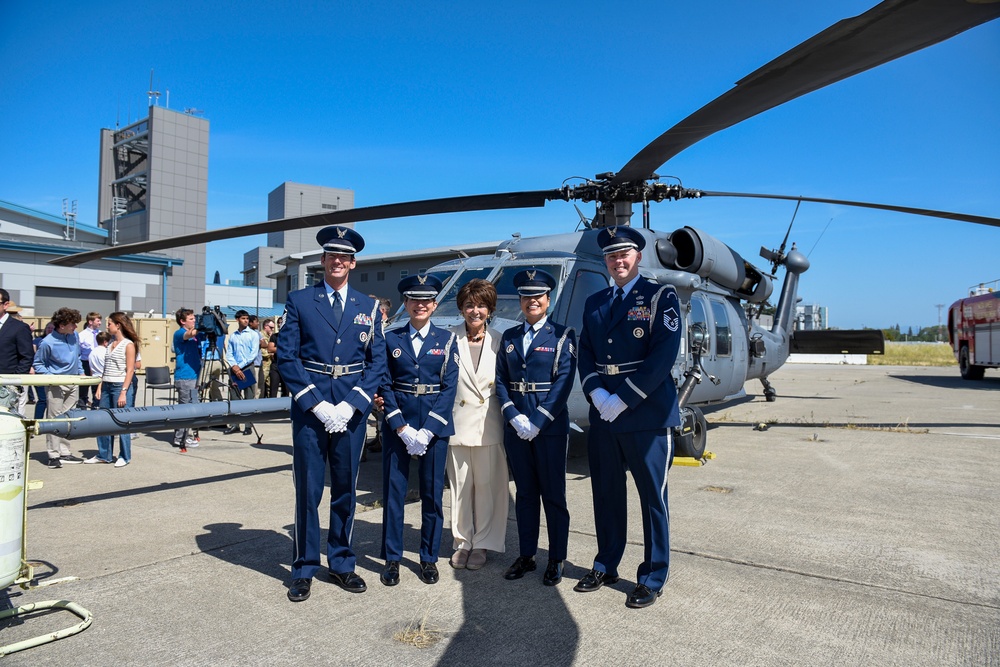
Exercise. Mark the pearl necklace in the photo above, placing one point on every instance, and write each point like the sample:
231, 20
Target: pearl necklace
478, 337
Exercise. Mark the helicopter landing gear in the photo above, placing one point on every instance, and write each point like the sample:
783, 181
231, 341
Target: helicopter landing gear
770, 395
692, 434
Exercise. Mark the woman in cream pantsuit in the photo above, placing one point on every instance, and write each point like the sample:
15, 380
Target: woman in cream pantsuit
477, 465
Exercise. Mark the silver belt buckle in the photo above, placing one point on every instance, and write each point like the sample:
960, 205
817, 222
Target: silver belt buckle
420, 389
611, 369
520, 387
337, 370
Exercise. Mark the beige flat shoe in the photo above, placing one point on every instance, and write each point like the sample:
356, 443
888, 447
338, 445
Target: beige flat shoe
459, 559
477, 558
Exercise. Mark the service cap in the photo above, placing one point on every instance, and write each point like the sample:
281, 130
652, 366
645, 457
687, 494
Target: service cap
534, 282
341, 240
421, 286
616, 239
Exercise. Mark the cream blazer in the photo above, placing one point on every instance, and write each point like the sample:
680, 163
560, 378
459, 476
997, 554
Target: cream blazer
477, 416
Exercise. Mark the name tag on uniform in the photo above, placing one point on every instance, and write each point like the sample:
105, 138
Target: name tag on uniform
363, 319
639, 314
436, 351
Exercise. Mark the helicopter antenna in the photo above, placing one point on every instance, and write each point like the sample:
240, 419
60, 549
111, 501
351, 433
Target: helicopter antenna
820, 236
583, 218
778, 256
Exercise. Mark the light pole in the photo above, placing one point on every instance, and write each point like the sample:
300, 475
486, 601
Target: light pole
256, 282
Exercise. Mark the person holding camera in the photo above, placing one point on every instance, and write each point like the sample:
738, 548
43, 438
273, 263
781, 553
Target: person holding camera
187, 360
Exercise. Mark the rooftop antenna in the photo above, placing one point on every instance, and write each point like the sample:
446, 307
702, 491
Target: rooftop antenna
69, 213
154, 95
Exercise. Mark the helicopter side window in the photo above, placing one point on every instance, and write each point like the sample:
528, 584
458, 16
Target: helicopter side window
697, 316
446, 304
723, 332
584, 284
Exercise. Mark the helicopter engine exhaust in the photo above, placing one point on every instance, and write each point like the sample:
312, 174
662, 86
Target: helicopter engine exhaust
708, 257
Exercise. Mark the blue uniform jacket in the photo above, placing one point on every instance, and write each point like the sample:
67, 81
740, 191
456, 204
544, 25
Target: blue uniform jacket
643, 342
551, 358
310, 333
436, 364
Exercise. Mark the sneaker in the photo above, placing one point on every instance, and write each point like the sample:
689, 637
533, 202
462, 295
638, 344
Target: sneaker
121, 463
69, 458
54, 463
193, 443
94, 459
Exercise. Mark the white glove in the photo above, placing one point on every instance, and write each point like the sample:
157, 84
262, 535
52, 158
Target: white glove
424, 438
532, 432
342, 413
409, 437
521, 425
599, 396
613, 407
326, 413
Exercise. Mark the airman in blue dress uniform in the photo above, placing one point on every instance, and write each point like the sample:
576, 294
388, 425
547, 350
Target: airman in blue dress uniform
331, 356
535, 367
630, 338
419, 397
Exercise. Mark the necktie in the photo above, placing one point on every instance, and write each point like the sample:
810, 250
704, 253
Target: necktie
618, 303
529, 336
338, 308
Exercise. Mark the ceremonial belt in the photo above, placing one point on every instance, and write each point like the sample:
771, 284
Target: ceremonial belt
618, 369
336, 370
416, 389
529, 387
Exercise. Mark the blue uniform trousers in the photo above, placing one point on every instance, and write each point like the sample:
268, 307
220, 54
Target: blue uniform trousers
539, 470
648, 455
395, 477
314, 449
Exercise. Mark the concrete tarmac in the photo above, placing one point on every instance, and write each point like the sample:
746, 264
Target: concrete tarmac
860, 527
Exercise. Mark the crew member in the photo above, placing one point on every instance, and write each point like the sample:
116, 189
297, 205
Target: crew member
535, 367
332, 358
631, 334
187, 355
418, 399
16, 351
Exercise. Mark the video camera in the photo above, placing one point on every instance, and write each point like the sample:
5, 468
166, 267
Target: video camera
211, 323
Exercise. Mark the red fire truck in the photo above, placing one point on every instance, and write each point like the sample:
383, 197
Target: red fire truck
974, 330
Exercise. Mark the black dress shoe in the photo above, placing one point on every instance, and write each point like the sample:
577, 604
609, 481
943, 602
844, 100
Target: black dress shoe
641, 597
248, 430
593, 580
522, 565
349, 581
429, 572
390, 576
553, 573
231, 430
299, 590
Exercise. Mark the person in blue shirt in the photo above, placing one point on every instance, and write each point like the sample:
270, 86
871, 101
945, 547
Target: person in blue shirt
536, 364
419, 396
59, 354
187, 366
630, 339
242, 348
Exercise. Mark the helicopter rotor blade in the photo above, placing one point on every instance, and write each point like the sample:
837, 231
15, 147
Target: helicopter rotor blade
888, 31
489, 202
947, 215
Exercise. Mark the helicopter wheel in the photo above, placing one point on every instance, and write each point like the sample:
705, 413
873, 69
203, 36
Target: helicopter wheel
770, 395
693, 444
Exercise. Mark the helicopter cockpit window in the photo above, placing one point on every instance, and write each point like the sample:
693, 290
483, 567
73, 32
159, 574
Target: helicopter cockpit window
508, 301
446, 304
723, 332
697, 316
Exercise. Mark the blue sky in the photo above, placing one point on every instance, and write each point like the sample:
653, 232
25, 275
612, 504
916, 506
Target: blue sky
402, 101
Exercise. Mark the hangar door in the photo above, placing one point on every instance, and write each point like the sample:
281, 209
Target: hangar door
50, 299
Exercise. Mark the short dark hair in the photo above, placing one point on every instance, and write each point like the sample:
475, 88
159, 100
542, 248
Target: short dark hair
102, 337
182, 314
241, 313
253, 318
66, 316
478, 290
4, 295
267, 321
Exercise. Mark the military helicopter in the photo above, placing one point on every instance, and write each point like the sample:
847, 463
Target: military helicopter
716, 285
